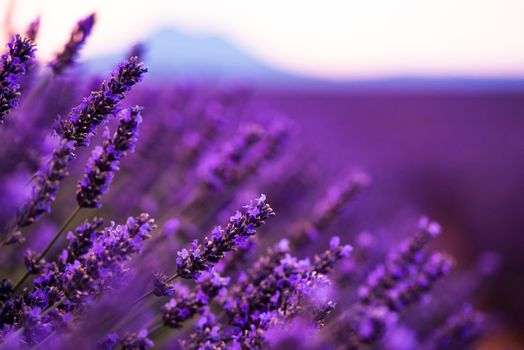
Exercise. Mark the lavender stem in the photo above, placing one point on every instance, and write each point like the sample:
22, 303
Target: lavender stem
48, 247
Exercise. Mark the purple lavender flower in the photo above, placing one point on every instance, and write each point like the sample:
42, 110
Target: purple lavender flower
323, 312
220, 171
139, 50
271, 145
329, 208
79, 35
6, 289
64, 286
406, 276
137, 341
31, 262
46, 185
459, 330
104, 160
76, 132
92, 272
207, 335
95, 109
201, 257
409, 291
83, 238
32, 30
281, 291
325, 262
161, 285
401, 264
13, 66
182, 307
109, 342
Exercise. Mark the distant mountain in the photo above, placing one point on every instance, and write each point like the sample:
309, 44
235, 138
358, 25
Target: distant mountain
174, 54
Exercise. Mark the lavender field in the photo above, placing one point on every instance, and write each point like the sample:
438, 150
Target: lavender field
140, 211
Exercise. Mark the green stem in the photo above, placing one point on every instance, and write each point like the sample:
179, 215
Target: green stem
155, 330
47, 248
170, 279
58, 234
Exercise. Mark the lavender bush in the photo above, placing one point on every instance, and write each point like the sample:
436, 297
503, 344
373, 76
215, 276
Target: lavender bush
76, 278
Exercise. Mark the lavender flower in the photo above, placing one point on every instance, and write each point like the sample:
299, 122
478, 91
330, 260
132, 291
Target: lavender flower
76, 132
137, 341
405, 277
182, 307
329, 208
220, 171
13, 66
109, 342
323, 312
33, 29
325, 262
400, 264
6, 289
83, 238
30, 260
459, 330
47, 182
104, 160
161, 285
201, 257
279, 291
79, 35
93, 271
95, 109
207, 335
407, 292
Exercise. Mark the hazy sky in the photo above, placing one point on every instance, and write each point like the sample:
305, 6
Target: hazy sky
333, 39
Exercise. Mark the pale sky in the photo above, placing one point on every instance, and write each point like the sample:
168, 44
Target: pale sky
329, 39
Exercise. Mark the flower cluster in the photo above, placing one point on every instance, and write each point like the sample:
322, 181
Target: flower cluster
201, 257
184, 305
46, 184
76, 132
105, 159
83, 280
77, 39
14, 64
220, 171
99, 105
329, 208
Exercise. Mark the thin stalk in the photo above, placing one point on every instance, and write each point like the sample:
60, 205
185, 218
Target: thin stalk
43, 342
58, 234
42, 314
52, 307
155, 330
47, 248
170, 279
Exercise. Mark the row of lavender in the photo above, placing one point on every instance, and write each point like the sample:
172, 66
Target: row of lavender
91, 283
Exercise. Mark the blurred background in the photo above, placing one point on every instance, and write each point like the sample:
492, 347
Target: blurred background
428, 97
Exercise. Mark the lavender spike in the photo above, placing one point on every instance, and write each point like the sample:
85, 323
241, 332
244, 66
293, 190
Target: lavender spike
328, 209
78, 37
33, 29
13, 66
184, 306
137, 341
47, 183
223, 169
400, 264
201, 257
459, 330
76, 132
95, 109
104, 160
